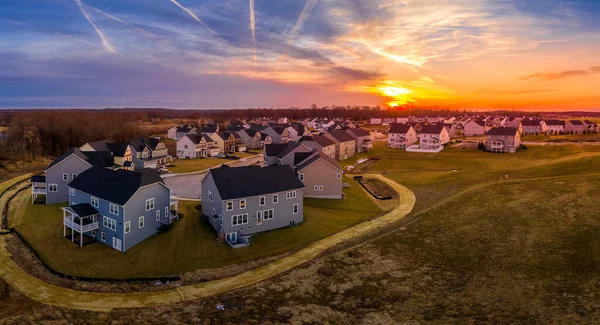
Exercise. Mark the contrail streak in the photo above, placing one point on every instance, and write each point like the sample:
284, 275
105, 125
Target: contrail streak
105, 42
308, 8
253, 28
141, 30
20, 23
193, 16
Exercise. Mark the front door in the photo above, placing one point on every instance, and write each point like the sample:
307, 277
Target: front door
231, 237
117, 243
259, 218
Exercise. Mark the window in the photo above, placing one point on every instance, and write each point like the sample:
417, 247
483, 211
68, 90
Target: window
275, 198
290, 195
72, 191
127, 227
52, 187
295, 208
259, 218
301, 177
262, 201
320, 188
109, 223
113, 208
141, 222
149, 204
210, 196
229, 205
242, 204
240, 219
316, 188
157, 215
166, 211
103, 236
94, 202
73, 176
339, 176
185, 146
65, 177
268, 214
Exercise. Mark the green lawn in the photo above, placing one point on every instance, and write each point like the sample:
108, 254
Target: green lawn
562, 138
200, 164
190, 244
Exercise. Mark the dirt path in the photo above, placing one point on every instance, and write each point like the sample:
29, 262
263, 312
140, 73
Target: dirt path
43, 292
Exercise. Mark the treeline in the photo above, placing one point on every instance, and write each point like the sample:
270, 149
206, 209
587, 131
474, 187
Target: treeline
30, 134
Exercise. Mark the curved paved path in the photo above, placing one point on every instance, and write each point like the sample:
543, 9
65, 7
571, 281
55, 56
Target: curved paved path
43, 292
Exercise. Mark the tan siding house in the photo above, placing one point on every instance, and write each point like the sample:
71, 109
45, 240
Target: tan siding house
503, 140
401, 136
345, 146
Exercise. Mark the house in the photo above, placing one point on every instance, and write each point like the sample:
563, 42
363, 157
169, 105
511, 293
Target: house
555, 127
322, 143
149, 153
574, 126
251, 138
295, 131
362, 139
533, 126
401, 136
228, 142
376, 121
402, 120
451, 128
416, 125
241, 201
265, 139
122, 152
387, 121
177, 132
277, 133
503, 139
283, 153
208, 129
196, 146
345, 145
65, 169
590, 126
474, 128
118, 208
433, 137
516, 123
320, 174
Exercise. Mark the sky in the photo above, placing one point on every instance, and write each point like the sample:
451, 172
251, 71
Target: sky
206, 54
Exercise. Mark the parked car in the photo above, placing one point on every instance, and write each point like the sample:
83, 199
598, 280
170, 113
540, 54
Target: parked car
221, 155
234, 157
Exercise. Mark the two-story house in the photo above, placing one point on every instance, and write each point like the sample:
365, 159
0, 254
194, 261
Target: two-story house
362, 139
118, 208
283, 153
555, 126
433, 137
228, 142
320, 174
574, 126
533, 126
241, 201
278, 133
251, 138
121, 152
503, 139
63, 170
474, 127
196, 146
401, 136
177, 132
345, 145
149, 153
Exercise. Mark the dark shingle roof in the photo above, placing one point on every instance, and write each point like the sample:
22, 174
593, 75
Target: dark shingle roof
399, 128
239, 182
432, 129
208, 128
531, 122
38, 179
99, 145
117, 149
251, 132
274, 149
301, 156
555, 122
100, 158
84, 210
225, 135
72, 152
503, 131
359, 132
316, 156
196, 138
341, 136
576, 122
290, 146
116, 186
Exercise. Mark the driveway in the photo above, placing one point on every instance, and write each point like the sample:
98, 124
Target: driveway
188, 186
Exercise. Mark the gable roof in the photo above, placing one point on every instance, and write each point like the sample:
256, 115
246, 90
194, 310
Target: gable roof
399, 128
208, 128
531, 122
318, 156
225, 135
84, 210
116, 186
273, 149
196, 138
290, 146
576, 122
100, 158
240, 182
432, 129
359, 132
341, 136
99, 145
117, 149
73, 152
503, 131
301, 156
555, 122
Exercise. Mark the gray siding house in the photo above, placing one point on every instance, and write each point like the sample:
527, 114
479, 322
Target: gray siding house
64, 169
241, 201
118, 208
321, 174
283, 154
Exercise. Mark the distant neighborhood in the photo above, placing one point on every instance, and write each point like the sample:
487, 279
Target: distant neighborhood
113, 192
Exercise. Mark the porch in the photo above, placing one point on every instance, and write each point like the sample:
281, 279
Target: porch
496, 146
367, 145
80, 218
38, 187
433, 144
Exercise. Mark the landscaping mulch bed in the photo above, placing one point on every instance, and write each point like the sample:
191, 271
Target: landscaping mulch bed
377, 188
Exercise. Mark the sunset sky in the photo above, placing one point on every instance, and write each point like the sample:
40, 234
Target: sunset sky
462, 54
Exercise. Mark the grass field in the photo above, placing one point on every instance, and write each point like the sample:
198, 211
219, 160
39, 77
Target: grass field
190, 244
196, 165
562, 138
